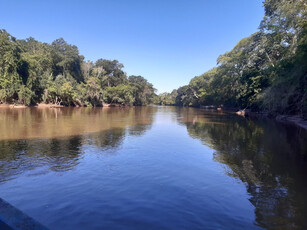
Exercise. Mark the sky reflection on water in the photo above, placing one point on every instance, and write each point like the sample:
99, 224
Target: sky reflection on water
153, 168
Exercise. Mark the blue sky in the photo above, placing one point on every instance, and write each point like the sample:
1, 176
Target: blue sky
166, 41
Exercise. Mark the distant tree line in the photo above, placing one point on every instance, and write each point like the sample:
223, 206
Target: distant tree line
266, 71
33, 72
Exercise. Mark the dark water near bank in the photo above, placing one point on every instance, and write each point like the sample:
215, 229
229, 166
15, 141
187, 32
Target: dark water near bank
153, 168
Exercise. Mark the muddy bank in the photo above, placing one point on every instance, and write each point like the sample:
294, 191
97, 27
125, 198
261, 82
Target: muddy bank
294, 119
297, 120
43, 105
21, 106
4, 105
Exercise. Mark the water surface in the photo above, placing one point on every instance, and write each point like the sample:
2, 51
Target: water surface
153, 168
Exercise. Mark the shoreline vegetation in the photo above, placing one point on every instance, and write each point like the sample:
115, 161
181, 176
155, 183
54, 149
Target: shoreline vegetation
264, 74
32, 72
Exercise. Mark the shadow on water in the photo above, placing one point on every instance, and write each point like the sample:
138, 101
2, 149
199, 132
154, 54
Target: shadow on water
270, 158
61, 154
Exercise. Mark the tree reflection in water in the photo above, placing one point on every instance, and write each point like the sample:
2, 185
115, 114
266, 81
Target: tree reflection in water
270, 158
23, 155
63, 153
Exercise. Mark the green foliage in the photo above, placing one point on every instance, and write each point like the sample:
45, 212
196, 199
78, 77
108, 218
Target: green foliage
25, 95
121, 94
34, 72
66, 59
10, 80
90, 93
143, 91
167, 98
265, 71
109, 72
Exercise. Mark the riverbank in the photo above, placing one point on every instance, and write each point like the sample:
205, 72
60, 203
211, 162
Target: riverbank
293, 119
43, 105
297, 120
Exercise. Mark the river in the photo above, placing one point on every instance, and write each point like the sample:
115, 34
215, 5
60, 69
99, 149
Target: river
153, 168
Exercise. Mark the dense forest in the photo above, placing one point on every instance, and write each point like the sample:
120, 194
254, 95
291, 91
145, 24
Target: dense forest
33, 72
266, 71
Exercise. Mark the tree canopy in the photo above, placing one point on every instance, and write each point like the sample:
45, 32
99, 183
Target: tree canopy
32, 72
266, 71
